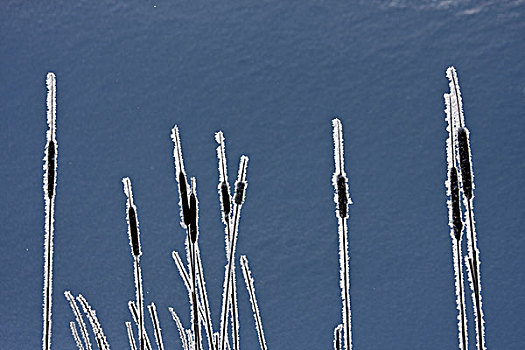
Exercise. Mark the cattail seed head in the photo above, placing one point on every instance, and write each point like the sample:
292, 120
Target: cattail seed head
133, 224
457, 223
51, 168
193, 217
185, 206
239, 192
464, 162
226, 200
342, 196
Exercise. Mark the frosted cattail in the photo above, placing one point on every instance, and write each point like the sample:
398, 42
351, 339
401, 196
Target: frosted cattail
181, 177
464, 162
133, 225
342, 199
79, 318
50, 168
240, 184
95, 324
224, 188
180, 328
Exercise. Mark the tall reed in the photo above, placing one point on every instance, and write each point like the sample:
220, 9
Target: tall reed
455, 224
342, 200
463, 157
50, 171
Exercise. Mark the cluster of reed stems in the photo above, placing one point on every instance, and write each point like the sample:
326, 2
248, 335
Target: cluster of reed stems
460, 194
192, 274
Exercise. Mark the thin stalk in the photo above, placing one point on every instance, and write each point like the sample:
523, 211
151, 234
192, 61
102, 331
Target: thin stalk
131, 338
337, 337
342, 200
459, 281
74, 332
476, 279
95, 324
248, 279
204, 301
180, 328
49, 195
156, 325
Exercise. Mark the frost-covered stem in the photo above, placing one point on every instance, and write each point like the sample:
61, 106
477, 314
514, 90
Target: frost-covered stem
475, 281
156, 325
337, 337
194, 309
95, 324
131, 338
460, 295
74, 332
248, 279
239, 199
79, 318
49, 199
342, 200
204, 301
186, 278
180, 328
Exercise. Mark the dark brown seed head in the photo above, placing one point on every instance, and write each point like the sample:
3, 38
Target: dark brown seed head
183, 190
134, 231
193, 217
342, 196
457, 223
464, 162
239, 192
226, 201
51, 165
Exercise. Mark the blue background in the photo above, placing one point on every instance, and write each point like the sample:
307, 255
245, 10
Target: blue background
271, 75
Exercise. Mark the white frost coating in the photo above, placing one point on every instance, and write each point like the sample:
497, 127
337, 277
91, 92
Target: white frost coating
186, 278
248, 279
228, 276
456, 96
74, 332
95, 324
182, 334
49, 211
337, 337
131, 338
179, 166
223, 179
343, 237
156, 325
80, 319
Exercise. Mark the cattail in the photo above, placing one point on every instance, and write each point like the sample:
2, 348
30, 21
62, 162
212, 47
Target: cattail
467, 186
50, 168
133, 225
224, 188
464, 162
342, 199
181, 177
